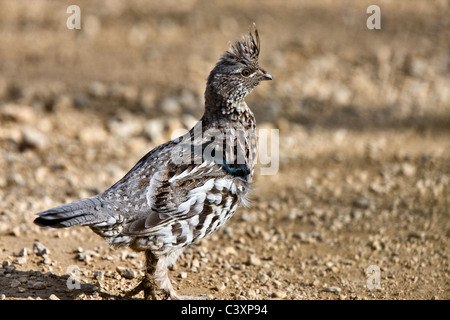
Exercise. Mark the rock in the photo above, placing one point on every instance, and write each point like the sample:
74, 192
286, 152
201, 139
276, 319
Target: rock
170, 105
86, 255
415, 66
20, 260
47, 260
361, 202
376, 245
182, 275
126, 273
81, 101
92, 134
189, 100
33, 138
39, 285
195, 263
89, 288
253, 260
131, 94
229, 250
137, 35
279, 294
21, 113
332, 289
4, 227
131, 255
154, 130
220, 287
39, 249
408, 169
23, 252
14, 283
416, 235
53, 297
342, 95
98, 90
125, 129
127, 93
99, 275
264, 278
315, 283
251, 294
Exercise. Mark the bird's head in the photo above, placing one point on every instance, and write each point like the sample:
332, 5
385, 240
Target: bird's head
238, 70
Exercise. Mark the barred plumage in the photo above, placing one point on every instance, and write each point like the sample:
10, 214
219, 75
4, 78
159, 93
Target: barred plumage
186, 188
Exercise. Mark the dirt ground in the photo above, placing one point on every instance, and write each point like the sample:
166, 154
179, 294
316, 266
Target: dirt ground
359, 207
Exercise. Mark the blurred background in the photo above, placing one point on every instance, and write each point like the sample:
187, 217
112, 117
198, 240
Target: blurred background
153, 58
364, 120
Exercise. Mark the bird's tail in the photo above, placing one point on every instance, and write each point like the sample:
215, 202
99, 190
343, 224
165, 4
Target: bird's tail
78, 213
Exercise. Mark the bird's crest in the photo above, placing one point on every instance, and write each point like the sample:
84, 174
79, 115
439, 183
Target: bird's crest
244, 50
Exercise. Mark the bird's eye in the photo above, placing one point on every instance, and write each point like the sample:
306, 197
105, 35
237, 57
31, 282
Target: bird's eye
246, 72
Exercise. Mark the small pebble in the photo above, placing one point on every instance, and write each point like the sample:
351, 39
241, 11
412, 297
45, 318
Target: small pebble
87, 255
263, 277
14, 283
416, 235
23, 252
361, 202
253, 260
408, 170
332, 289
20, 260
39, 285
126, 273
99, 275
33, 138
279, 294
39, 249
220, 287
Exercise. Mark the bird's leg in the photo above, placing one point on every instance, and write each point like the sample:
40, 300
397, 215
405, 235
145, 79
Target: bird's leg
162, 278
163, 281
148, 283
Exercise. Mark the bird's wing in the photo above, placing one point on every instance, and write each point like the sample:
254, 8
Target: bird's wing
180, 192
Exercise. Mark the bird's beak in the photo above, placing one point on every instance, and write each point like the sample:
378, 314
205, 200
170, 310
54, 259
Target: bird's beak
264, 75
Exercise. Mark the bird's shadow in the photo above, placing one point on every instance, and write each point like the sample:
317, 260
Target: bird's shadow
33, 284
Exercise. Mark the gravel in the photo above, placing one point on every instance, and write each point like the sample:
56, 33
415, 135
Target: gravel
363, 177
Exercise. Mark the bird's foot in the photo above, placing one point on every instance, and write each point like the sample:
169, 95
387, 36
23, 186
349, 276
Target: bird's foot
147, 285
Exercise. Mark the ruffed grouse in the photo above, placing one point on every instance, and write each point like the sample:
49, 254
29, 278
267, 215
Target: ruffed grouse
186, 188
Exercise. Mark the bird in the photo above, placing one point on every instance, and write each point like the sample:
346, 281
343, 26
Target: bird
186, 188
